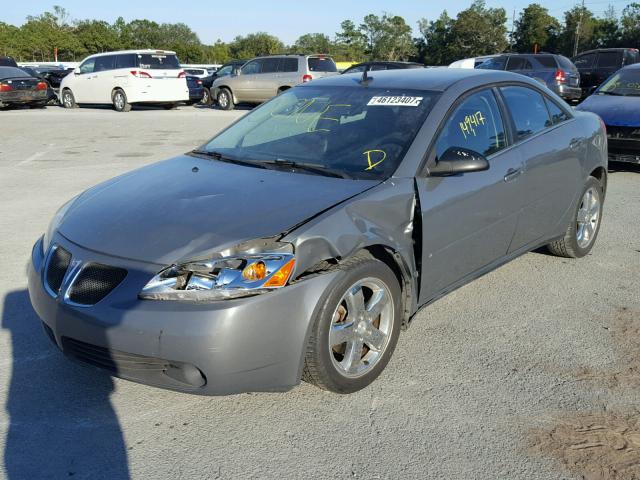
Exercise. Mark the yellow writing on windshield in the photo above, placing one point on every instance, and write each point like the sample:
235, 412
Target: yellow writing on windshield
471, 123
374, 157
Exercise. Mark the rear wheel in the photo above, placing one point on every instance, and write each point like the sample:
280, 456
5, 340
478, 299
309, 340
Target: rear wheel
583, 229
120, 103
68, 100
206, 97
356, 329
225, 99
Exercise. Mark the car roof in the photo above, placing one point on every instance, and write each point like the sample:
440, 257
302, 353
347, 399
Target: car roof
141, 51
612, 49
432, 79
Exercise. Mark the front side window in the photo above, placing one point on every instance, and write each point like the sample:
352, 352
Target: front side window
360, 132
251, 68
226, 70
496, 63
358, 69
158, 61
528, 110
585, 61
623, 82
475, 124
87, 66
609, 60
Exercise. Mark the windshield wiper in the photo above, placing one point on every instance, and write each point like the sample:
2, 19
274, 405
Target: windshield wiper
308, 167
223, 158
610, 93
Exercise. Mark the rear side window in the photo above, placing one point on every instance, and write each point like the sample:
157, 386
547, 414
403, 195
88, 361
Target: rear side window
269, 65
610, 60
566, 63
528, 110
289, 65
518, 63
558, 115
106, 62
475, 124
158, 61
126, 61
321, 64
547, 61
585, 61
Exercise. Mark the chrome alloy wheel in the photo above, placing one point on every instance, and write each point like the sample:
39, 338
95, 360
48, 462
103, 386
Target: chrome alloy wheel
118, 100
588, 217
223, 99
67, 100
361, 327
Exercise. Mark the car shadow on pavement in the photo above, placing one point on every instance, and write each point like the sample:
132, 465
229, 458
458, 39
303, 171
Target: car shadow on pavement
61, 421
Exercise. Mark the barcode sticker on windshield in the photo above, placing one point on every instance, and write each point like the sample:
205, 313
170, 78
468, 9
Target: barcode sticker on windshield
396, 101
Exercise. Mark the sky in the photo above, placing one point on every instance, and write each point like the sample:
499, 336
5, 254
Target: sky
285, 19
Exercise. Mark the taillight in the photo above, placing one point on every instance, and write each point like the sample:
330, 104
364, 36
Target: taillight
5, 87
307, 78
560, 78
199, 82
41, 86
140, 74
182, 74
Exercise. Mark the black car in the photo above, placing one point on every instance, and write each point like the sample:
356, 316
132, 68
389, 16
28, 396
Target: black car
555, 71
196, 90
7, 62
39, 73
55, 76
595, 66
371, 66
225, 69
19, 88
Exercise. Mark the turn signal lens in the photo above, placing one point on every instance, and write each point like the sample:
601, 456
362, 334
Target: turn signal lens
255, 271
41, 86
280, 278
5, 88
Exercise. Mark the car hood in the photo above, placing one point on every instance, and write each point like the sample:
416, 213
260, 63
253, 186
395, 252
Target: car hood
614, 110
186, 206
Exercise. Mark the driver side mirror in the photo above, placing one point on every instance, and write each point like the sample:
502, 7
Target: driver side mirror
591, 89
77, 71
456, 160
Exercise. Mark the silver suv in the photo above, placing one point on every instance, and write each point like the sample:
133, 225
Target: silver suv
264, 77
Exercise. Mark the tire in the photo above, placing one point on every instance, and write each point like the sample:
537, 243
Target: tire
206, 98
583, 229
225, 99
67, 99
330, 367
120, 103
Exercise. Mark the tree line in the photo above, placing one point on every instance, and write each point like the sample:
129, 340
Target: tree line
477, 30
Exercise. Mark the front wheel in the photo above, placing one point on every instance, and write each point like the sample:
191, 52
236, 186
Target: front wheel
356, 329
68, 100
584, 226
225, 99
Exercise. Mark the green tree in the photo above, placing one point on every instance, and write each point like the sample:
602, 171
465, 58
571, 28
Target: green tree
313, 43
41, 34
387, 37
350, 42
96, 36
255, 44
534, 27
630, 25
435, 45
479, 30
216, 53
577, 34
10, 41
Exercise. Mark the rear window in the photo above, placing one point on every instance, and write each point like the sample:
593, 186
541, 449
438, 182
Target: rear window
566, 63
158, 61
321, 64
609, 59
547, 61
7, 62
8, 72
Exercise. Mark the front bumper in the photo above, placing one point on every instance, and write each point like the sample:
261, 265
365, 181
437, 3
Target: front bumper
218, 348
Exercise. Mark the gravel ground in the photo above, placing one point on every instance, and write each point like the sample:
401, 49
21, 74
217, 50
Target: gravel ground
507, 377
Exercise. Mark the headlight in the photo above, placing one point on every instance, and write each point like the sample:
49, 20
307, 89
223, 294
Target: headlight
55, 223
234, 276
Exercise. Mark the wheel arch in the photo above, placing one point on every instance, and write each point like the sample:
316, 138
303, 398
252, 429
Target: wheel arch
600, 173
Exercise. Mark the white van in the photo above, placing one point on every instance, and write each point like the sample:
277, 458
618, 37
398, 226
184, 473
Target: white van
125, 78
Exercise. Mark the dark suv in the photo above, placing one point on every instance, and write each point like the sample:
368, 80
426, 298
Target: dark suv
595, 66
554, 71
7, 62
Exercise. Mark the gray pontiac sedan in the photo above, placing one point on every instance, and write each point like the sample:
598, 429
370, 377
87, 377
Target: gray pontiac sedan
299, 242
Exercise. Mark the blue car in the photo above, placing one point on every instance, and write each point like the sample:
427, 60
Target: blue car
617, 101
196, 90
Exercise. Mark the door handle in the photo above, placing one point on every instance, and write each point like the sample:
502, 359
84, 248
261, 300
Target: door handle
574, 144
512, 174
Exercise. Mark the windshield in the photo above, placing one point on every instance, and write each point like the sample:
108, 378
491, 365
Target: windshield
359, 131
625, 82
158, 61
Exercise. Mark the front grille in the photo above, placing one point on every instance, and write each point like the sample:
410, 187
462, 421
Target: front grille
113, 360
57, 268
94, 282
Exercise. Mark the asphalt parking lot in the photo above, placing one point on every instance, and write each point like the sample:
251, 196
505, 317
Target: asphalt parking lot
531, 372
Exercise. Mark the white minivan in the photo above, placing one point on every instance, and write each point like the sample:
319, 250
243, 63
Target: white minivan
125, 78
